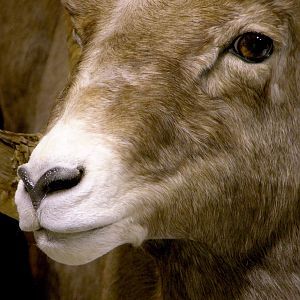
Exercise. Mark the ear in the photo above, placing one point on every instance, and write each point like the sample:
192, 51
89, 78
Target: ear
83, 16
76, 7
86, 13
79, 7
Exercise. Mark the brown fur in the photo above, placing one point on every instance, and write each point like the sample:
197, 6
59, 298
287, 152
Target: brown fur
32, 47
213, 141
34, 68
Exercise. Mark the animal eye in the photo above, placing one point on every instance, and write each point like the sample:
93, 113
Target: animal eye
252, 47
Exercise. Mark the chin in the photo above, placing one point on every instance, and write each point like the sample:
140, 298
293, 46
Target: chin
83, 247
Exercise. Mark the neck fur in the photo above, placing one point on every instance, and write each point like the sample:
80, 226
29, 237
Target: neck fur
188, 271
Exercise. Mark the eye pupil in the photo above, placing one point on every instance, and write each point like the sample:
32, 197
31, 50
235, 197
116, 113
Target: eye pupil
253, 47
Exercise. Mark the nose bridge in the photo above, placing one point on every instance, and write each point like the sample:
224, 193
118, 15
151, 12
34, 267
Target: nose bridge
62, 145
56, 163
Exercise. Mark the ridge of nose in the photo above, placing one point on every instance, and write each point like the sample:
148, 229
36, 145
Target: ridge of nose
55, 179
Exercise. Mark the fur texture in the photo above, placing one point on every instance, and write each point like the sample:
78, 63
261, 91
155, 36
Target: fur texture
187, 148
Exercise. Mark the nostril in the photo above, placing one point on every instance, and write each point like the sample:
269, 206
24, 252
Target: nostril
61, 179
56, 179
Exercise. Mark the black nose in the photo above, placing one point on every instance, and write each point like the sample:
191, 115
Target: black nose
56, 179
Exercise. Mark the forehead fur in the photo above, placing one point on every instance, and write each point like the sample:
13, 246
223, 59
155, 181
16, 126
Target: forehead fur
132, 15
78, 6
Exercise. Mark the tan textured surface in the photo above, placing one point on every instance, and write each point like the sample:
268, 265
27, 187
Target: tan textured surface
14, 150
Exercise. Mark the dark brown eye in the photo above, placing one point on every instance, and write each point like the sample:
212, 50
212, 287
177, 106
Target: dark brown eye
252, 47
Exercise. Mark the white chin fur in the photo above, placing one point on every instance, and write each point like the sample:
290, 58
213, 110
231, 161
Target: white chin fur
81, 248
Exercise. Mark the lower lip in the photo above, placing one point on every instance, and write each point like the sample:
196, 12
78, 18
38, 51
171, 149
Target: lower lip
62, 234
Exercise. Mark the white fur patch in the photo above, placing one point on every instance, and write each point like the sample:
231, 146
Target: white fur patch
27, 215
73, 218
81, 248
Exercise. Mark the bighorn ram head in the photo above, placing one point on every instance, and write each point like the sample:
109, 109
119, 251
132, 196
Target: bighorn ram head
181, 121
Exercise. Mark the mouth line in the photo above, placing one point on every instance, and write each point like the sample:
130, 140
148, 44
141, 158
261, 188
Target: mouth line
69, 233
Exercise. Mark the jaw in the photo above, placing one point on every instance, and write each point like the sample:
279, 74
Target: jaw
82, 247
79, 234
